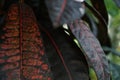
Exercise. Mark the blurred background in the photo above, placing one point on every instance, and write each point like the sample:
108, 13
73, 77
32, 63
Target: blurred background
114, 33
113, 8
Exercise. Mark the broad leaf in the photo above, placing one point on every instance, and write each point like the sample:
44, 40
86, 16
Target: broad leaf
91, 48
91, 22
22, 55
102, 17
64, 11
66, 59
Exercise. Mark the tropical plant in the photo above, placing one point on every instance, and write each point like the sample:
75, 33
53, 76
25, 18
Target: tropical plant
56, 40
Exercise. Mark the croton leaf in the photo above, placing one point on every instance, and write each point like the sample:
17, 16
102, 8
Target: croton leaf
101, 9
66, 59
91, 48
64, 11
101, 14
89, 19
22, 55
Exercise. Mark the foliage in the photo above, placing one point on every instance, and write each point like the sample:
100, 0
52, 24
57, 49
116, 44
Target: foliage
114, 33
85, 22
115, 69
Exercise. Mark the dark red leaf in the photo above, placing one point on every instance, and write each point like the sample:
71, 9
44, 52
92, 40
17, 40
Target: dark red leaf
101, 9
102, 16
64, 11
66, 59
102, 28
92, 49
22, 55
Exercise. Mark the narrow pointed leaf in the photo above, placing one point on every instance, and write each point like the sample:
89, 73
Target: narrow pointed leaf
92, 49
102, 16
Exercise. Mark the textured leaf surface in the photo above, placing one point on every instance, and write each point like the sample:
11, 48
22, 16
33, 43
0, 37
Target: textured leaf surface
101, 14
64, 11
68, 62
22, 55
92, 49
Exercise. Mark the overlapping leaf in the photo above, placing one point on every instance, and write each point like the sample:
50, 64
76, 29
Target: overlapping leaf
92, 49
101, 14
90, 20
22, 55
66, 59
64, 11
101, 9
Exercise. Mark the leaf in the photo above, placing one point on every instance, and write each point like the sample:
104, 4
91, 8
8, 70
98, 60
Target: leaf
92, 24
101, 9
112, 50
115, 71
102, 23
64, 11
92, 74
22, 55
41, 12
66, 59
91, 48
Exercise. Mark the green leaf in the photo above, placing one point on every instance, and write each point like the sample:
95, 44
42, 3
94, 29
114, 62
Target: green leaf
115, 71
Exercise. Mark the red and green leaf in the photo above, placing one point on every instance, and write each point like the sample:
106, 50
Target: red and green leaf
22, 54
